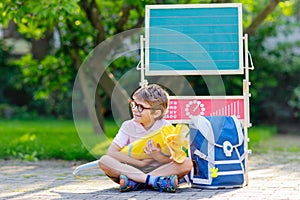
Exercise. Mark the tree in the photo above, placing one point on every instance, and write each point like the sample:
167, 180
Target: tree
83, 24
251, 30
277, 66
75, 22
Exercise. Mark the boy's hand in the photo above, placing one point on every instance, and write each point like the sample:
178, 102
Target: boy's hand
155, 152
151, 150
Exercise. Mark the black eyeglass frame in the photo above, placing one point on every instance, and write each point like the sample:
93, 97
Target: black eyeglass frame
139, 107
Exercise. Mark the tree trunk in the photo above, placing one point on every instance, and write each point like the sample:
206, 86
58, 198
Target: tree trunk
251, 30
103, 78
97, 63
89, 102
40, 47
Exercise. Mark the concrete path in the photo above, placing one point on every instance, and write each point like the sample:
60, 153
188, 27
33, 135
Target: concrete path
273, 174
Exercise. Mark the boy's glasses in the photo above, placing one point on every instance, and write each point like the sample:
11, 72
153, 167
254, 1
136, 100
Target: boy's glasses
139, 107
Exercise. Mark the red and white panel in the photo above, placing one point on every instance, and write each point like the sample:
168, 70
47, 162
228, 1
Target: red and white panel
182, 108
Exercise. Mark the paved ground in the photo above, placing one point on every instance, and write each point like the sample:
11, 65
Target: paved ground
272, 175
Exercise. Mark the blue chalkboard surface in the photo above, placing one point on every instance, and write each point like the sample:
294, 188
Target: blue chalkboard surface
193, 39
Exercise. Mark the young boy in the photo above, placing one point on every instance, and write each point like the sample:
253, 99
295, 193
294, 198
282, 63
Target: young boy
149, 105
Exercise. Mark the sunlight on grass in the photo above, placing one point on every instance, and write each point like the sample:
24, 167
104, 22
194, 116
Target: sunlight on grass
51, 138
28, 137
100, 148
258, 135
97, 144
282, 143
59, 139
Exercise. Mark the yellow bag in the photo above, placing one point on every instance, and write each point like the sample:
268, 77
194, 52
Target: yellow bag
177, 141
171, 140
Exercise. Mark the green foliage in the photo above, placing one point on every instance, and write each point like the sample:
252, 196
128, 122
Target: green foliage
276, 72
51, 74
276, 61
294, 102
14, 96
50, 79
32, 15
7, 72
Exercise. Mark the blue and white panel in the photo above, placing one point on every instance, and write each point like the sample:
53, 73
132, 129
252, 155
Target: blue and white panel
193, 39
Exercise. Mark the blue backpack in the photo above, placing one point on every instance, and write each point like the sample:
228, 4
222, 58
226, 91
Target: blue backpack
217, 151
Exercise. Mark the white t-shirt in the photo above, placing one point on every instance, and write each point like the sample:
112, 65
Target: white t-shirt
132, 130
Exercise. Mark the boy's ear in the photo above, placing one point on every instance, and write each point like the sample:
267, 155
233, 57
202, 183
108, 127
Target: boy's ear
157, 114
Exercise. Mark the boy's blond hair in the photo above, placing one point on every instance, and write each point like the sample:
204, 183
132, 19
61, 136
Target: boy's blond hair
155, 96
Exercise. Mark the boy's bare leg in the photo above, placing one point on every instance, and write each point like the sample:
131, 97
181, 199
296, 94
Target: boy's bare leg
173, 168
114, 169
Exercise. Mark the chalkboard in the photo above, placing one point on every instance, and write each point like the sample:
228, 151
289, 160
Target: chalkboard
193, 39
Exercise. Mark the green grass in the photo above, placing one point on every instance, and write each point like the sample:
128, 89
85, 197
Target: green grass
260, 134
50, 139
59, 139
